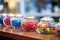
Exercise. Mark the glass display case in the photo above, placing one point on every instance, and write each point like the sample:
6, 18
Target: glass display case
58, 28
7, 20
29, 24
46, 25
16, 23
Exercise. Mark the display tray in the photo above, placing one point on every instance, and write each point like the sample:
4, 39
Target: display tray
21, 35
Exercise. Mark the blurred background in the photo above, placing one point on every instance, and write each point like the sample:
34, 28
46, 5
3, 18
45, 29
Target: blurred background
37, 8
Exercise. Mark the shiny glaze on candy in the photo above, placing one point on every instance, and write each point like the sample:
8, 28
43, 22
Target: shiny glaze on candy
28, 26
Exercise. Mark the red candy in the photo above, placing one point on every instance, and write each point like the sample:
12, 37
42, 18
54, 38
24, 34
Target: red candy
46, 26
7, 20
58, 31
29, 25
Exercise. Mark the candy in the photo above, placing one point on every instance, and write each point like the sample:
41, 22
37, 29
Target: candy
16, 23
43, 25
46, 28
1, 20
52, 28
41, 30
7, 21
39, 26
58, 30
28, 26
45, 31
51, 25
47, 25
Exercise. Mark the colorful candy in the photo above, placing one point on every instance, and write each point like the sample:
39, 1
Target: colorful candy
28, 26
16, 23
58, 28
46, 28
44, 31
7, 21
1, 20
58, 31
51, 25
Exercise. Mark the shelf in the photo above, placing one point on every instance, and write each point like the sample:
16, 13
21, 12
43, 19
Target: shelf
43, 14
38, 14
28, 35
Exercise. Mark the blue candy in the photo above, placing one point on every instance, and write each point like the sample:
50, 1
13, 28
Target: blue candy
1, 20
45, 31
51, 25
16, 23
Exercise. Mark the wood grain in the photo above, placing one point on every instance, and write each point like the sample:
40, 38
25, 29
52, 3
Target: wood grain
22, 35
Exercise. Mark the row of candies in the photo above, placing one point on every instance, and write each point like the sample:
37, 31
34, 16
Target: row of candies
46, 24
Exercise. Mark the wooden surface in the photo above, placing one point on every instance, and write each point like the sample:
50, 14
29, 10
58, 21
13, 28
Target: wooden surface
21, 35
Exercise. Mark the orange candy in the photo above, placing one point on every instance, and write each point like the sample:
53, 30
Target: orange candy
29, 25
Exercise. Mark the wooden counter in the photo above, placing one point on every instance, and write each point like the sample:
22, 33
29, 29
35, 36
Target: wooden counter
20, 35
